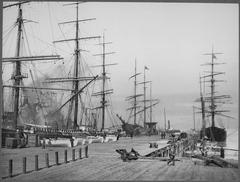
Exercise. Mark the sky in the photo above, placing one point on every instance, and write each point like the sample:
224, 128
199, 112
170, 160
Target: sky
169, 38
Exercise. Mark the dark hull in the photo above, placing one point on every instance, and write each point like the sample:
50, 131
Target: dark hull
131, 129
215, 134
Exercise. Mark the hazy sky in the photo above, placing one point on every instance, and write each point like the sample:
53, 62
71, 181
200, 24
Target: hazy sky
170, 39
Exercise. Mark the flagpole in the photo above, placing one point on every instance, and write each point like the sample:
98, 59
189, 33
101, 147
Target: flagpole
144, 103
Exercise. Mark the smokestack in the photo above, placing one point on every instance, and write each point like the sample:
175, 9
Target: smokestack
168, 124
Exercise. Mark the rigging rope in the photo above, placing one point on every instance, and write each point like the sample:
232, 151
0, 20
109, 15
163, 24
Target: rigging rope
50, 22
6, 37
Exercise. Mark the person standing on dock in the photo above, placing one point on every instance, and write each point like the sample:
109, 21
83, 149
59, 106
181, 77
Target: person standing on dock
172, 154
118, 135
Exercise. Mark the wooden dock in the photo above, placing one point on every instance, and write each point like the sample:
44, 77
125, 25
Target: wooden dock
104, 163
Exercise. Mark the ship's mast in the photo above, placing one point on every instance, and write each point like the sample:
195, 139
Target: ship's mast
18, 59
214, 99
212, 106
104, 92
135, 93
103, 86
202, 110
145, 107
18, 77
150, 102
77, 54
76, 71
144, 98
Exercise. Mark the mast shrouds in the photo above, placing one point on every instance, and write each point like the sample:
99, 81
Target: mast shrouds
213, 132
104, 91
18, 59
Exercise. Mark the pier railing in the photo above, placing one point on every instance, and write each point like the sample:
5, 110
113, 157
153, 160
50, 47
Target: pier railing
30, 164
179, 148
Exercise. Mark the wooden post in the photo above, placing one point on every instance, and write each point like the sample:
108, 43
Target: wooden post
36, 141
86, 151
47, 160
56, 158
80, 153
65, 156
36, 162
222, 152
10, 169
24, 165
73, 154
44, 143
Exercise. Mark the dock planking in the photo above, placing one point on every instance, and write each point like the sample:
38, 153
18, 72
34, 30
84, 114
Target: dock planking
105, 164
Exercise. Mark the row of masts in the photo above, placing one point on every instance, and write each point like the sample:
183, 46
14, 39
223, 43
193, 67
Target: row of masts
134, 97
213, 99
75, 80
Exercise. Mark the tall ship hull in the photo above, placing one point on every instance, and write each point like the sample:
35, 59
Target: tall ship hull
214, 102
215, 134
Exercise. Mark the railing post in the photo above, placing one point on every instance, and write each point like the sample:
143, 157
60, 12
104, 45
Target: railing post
24, 165
86, 151
65, 156
47, 160
36, 162
80, 153
73, 154
44, 143
10, 169
222, 152
56, 158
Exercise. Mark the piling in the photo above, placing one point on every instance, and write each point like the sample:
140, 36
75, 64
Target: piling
80, 153
56, 158
24, 165
222, 152
10, 169
44, 143
36, 162
86, 151
47, 160
73, 154
65, 156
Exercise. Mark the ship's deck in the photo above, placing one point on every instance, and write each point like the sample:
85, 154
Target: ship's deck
105, 164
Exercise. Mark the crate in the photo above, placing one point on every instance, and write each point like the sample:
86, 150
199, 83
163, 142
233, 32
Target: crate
11, 143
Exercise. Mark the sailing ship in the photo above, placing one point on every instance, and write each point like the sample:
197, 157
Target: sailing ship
47, 109
210, 104
19, 91
135, 109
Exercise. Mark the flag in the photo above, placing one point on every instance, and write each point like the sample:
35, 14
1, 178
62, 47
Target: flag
146, 68
214, 57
